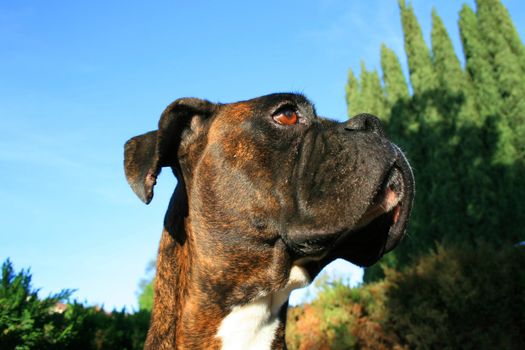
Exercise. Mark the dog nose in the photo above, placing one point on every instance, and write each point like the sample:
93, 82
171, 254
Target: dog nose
365, 122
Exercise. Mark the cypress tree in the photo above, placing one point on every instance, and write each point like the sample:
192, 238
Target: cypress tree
509, 122
446, 64
450, 100
426, 145
464, 149
478, 65
511, 85
506, 28
481, 174
480, 129
366, 94
422, 76
462, 129
353, 95
399, 124
396, 87
510, 33
372, 95
421, 108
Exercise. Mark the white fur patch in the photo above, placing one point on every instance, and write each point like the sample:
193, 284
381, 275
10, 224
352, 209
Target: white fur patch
253, 326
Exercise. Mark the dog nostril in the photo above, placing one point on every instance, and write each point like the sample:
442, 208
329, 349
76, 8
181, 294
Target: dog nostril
365, 122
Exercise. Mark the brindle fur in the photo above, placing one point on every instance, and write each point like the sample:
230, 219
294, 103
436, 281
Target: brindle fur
249, 190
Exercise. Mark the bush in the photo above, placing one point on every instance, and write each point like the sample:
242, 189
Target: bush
460, 298
454, 298
97, 329
341, 318
27, 322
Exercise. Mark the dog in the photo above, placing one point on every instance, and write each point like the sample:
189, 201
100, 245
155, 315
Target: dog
268, 193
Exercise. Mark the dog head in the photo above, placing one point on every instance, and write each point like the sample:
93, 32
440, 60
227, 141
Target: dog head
270, 174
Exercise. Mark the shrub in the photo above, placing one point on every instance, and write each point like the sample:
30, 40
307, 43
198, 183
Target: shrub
454, 298
27, 322
341, 318
460, 298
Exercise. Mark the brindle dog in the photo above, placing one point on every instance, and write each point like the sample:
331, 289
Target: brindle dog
268, 194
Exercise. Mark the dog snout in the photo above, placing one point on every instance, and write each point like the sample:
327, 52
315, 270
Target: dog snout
365, 122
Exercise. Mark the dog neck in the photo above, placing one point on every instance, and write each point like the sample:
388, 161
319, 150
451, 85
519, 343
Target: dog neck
260, 323
185, 317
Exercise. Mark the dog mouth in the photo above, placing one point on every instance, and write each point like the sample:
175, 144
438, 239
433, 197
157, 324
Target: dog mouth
380, 228
383, 224
388, 200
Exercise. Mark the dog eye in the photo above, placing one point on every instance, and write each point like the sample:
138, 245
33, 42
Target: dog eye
286, 116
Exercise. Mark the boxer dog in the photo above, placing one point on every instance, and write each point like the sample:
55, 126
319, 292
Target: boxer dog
268, 193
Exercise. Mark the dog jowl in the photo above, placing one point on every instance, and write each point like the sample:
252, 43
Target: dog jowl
268, 193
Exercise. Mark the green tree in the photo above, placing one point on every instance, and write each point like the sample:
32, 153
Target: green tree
146, 296
396, 87
97, 329
510, 77
478, 129
353, 95
400, 124
422, 75
446, 64
429, 142
478, 67
462, 130
372, 96
146, 292
507, 28
365, 94
504, 55
26, 322
456, 100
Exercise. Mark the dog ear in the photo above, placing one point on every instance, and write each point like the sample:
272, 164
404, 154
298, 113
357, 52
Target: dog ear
145, 155
141, 165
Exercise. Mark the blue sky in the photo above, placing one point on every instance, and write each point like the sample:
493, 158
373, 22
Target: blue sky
77, 79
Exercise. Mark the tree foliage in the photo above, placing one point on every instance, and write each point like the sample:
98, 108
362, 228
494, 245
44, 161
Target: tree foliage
29, 322
145, 295
26, 322
461, 127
